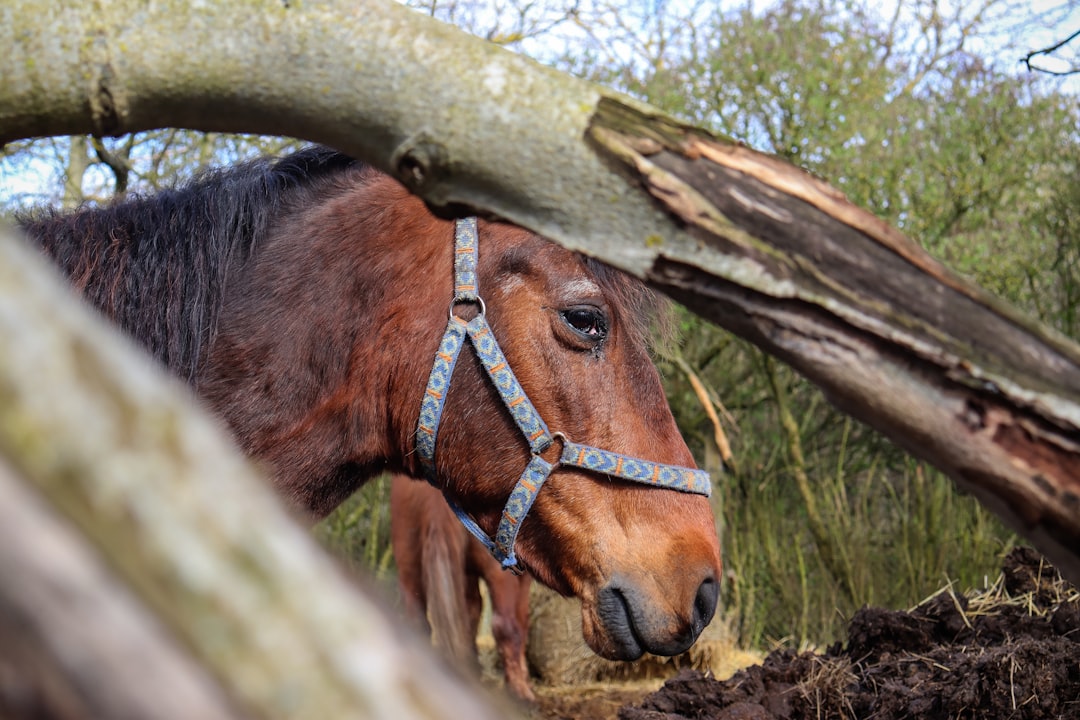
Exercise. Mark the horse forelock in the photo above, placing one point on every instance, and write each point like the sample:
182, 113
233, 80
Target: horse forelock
645, 314
159, 264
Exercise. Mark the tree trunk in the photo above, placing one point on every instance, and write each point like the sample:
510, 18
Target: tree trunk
894, 338
77, 163
75, 643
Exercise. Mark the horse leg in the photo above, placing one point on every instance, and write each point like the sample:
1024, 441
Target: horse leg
510, 623
414, 599
405, 537
474, 602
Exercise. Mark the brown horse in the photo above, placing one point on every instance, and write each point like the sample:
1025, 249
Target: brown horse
304, 299
439, 571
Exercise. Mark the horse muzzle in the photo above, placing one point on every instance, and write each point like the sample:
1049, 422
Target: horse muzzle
630, 618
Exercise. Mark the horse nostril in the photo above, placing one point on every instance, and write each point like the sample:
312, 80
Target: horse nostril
705, 601
633, 630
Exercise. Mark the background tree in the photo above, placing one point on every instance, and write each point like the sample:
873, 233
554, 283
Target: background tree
951, 146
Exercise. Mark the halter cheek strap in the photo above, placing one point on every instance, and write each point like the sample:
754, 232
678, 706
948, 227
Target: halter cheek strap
523, 412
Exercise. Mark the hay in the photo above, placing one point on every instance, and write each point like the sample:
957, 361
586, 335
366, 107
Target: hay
825, 687
1026, 582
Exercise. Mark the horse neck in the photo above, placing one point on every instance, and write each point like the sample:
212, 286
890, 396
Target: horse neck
326, 339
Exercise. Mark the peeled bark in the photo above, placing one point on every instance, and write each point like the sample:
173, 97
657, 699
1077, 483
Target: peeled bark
894, 338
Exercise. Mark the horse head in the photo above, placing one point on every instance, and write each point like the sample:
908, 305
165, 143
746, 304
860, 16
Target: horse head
324, 351
644, 561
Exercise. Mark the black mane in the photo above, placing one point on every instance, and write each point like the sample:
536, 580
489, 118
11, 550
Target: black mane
158, 265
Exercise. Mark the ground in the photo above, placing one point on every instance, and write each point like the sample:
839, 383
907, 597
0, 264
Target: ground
1012, 651
595, 702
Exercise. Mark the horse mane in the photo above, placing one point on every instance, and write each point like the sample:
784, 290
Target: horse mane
159, 264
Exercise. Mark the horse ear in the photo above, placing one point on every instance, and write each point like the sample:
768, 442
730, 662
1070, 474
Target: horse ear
458, 211
449, 211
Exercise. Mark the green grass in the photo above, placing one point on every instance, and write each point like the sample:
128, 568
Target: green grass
359, 530
905, 532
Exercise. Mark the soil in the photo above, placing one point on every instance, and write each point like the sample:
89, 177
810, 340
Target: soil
1012, 651
593, 702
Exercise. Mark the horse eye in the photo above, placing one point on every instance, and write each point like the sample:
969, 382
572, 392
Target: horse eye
589, 322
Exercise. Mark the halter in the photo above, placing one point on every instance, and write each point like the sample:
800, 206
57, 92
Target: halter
525, 416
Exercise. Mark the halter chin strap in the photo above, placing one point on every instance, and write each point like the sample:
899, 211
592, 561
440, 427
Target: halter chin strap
524, 413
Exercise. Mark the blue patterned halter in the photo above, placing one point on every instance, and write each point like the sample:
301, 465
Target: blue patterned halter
524, 413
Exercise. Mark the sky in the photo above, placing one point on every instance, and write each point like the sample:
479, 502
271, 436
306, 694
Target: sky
1023, 26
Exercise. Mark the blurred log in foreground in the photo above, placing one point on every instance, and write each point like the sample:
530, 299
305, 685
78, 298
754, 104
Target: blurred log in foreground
148, 570
75, 643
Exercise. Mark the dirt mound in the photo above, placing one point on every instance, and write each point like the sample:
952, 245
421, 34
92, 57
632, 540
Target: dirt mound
1012, 651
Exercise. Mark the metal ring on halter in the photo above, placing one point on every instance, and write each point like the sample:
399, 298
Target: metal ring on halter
557, 435
463, 301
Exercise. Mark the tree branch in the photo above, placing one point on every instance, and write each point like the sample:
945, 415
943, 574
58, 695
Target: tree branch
120, 166
1046, 51
947, 371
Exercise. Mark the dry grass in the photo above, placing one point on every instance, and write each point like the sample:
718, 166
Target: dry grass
1043, 593
826, 687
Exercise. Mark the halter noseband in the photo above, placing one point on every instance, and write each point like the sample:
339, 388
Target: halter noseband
524, 413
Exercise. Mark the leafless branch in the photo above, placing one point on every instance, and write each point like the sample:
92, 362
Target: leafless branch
1047, 51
